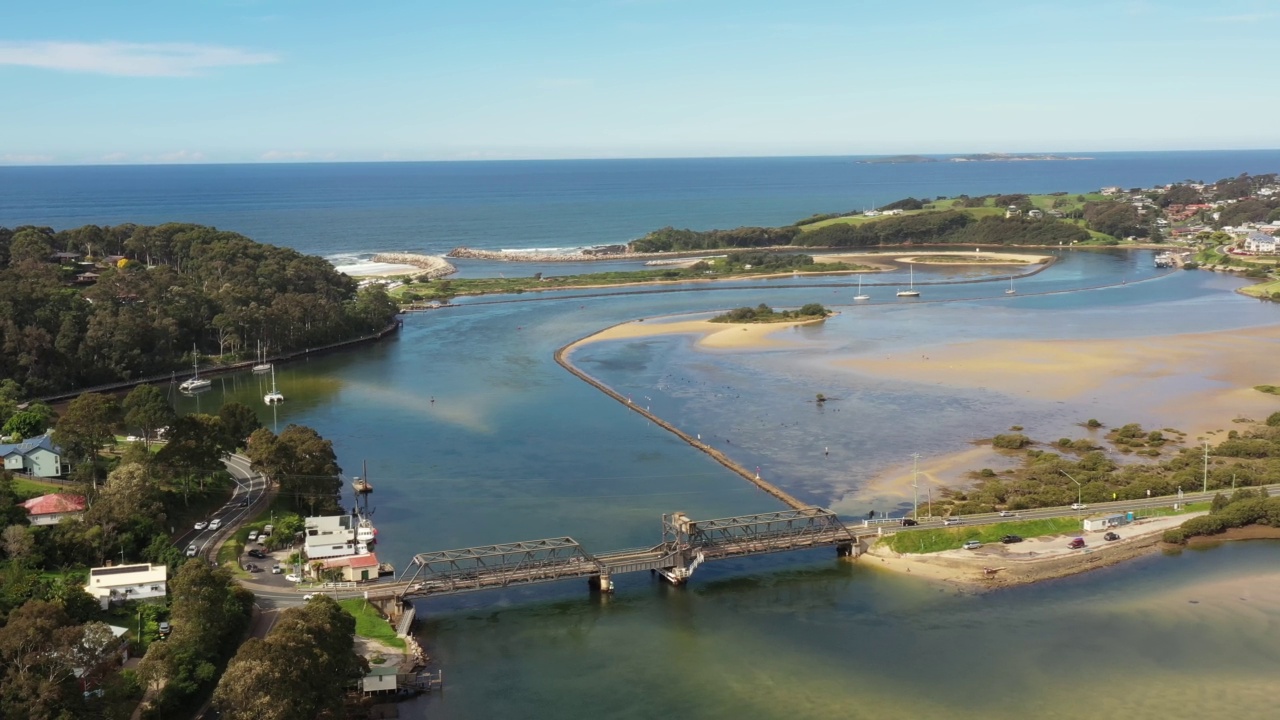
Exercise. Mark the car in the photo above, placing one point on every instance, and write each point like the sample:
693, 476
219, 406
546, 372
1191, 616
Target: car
214, 524
164, 629
908, 522
256, 553
1111, 536
1078, 506
276, 569
202, 525
1009, 539
291, 577
266, 531
249, 566
192, 550
308, 596
950, 521
972, 545
243, 503
253, 535
1006, 513
1076, 543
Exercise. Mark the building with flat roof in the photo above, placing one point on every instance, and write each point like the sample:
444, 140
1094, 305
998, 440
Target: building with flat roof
127, 582
332, 536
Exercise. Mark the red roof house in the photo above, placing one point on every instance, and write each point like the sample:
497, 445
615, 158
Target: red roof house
50, 509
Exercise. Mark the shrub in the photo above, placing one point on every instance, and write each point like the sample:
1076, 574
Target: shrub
1093, 423
1273, 420
1011, 441
1175, 536
1204, 525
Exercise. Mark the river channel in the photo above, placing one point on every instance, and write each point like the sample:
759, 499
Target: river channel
473, 435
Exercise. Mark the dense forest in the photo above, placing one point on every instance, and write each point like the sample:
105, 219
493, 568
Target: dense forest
101, 304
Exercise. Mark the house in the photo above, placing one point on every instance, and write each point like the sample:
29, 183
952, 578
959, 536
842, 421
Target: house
38, 457
332, 536
381, 679
1261, 243
1112, 190
50, 509
354, 568
127, 582
65, 258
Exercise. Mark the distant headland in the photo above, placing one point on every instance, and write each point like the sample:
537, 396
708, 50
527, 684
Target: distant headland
978, 157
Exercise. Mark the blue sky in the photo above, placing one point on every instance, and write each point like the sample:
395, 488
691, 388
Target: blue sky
308, 80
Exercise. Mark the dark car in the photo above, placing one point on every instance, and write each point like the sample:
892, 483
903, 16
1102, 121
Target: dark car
1111, 536
908, 522
256, 553
250, 567
1007, 539
1076, 543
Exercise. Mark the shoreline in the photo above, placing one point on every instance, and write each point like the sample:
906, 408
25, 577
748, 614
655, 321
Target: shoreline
465, 253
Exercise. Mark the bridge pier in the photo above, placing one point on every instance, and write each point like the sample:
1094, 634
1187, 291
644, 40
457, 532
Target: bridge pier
601, 583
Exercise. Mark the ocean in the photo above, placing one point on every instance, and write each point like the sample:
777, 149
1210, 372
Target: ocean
348, 211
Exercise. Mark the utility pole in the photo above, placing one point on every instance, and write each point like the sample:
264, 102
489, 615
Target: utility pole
1206, 466
1079, 489
915, 486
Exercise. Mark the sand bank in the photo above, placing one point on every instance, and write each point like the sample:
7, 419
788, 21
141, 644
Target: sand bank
1065, 370
714, 336
924, 258
1030, 561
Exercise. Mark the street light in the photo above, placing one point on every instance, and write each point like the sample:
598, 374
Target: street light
1079, 489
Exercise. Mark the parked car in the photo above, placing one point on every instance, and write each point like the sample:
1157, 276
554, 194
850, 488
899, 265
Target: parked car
202, 525
1111, 536
1076, 543
266, 531
972, 545
908, 522
1078, 506
192, 550
251, 567
950, 521
253, 535
256, 553
214, 524
164, 629
276, 569
293, 578
1008, 539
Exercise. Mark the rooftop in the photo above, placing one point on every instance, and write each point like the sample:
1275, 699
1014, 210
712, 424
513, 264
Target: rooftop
55, 503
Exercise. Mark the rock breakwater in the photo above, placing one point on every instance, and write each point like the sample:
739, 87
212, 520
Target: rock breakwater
433, 266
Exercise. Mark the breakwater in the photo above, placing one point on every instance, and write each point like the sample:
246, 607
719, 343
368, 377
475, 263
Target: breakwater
433, 266
610, 252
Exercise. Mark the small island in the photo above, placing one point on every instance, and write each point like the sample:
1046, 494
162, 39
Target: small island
764, 314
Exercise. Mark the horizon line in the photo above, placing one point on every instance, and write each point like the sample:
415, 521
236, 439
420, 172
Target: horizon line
626, 158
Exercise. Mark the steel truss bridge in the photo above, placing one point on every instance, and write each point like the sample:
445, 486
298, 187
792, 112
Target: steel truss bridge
685, 545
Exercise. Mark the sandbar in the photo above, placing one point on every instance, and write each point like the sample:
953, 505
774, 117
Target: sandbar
983, 257
714, 335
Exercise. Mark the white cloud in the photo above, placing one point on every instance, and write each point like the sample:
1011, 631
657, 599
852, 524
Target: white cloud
129, 59
25, 159
115, 157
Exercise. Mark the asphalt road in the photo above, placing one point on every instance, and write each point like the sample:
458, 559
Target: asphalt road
250, 489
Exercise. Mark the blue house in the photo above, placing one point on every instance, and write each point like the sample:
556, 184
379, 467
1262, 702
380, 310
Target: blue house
38, 457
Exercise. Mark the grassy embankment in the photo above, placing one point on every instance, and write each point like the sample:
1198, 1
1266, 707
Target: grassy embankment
28, 488
952, 538
370, 623
713, 269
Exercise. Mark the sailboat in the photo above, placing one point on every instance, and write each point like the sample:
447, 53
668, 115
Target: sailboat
195, 382
274, 396
263, 366
860, 296
911, 289
1010, 291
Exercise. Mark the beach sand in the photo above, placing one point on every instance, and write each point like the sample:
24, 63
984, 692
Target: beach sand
714, 336
984, 257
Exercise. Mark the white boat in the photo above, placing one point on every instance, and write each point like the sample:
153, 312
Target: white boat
263, 366
860, 296
195, 383
911, 289
274, 396
1010, 291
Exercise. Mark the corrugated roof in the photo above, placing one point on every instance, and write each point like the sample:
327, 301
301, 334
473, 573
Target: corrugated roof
54, 503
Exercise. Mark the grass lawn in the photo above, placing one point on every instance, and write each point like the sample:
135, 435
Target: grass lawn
1166, 511
29, 488
370, 623
977, 213
1262, 289
952, 538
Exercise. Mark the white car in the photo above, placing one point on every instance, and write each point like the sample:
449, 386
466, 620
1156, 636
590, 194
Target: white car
215, 524
276, 569
202, 525
253, 535
192, 550
1006, 513
308, 596
293, 578
1078, 506
972, 545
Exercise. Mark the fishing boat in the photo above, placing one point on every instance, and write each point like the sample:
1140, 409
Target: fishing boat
195, 383
860, 296
911, 288
274, 396
263, 366
1010, 291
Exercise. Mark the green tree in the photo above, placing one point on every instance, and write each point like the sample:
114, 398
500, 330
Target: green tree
29, 246
147, 409
196, 444
238, 422
25, 424
86, 426
40, 648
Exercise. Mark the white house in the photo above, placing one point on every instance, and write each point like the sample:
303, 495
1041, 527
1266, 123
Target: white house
37, 456
1261, 243
332, 536
50, 509
127, 582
